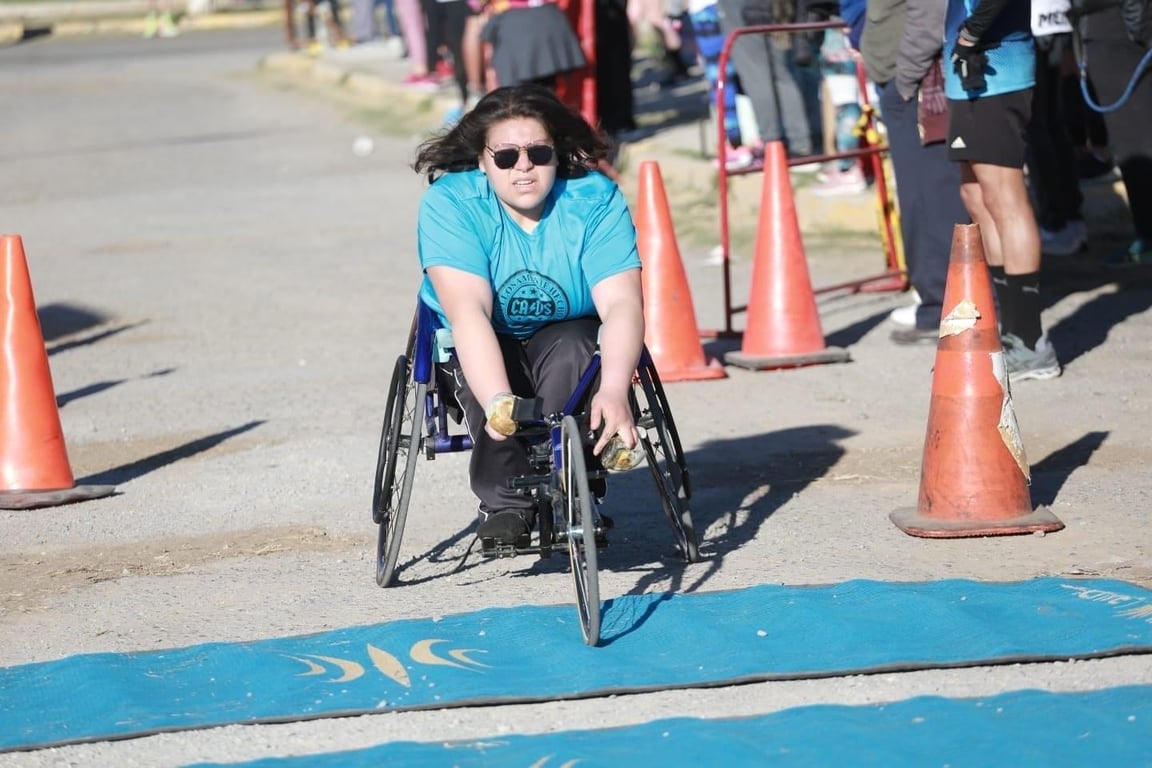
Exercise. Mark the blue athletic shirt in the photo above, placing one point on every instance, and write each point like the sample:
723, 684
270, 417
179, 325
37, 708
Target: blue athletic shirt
585, 235
1011, 66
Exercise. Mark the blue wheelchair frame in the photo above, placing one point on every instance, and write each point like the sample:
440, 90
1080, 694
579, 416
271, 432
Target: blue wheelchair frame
556, 454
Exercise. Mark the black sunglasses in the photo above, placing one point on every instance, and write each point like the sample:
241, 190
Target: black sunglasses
538, 154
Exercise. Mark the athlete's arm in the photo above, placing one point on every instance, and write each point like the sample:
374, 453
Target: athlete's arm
467, 302
981, 20
619, 303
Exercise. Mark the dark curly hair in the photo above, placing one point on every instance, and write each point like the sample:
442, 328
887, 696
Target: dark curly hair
578, 146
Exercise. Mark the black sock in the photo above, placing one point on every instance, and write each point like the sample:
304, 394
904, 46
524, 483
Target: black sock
1000, 289
1024, 292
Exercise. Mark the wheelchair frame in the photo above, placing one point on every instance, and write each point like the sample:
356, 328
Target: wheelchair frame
417, 420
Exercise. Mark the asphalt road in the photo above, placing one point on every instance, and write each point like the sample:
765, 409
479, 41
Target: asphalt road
224, 285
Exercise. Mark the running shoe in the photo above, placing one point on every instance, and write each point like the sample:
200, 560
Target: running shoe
1024, 363
849, 182
505, 526
1138, 254
1066, 241
906, 315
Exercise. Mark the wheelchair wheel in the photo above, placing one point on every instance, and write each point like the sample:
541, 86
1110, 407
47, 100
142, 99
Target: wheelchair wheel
395, 467
581, 524
665, 458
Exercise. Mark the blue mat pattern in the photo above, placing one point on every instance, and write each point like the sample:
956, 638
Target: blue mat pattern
1022, 729
532, 653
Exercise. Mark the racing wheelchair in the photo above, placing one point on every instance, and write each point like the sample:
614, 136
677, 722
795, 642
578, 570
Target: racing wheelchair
422, 417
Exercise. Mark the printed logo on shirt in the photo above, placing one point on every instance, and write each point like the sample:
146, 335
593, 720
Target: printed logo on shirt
530, 297
958, 143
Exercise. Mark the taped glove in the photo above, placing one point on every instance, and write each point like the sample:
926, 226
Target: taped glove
505, 412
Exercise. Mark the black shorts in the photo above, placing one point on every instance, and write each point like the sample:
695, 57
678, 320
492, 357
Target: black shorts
990, 129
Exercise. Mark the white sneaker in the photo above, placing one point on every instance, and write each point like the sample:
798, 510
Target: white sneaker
737, 159
906, 316
1067, 241
849, 182
394, 47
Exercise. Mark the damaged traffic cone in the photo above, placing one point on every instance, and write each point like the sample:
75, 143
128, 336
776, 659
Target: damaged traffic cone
671, 334
974, 476
783, 323
34, 469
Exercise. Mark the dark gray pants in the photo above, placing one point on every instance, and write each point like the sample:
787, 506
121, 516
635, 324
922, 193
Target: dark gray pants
364, 26
766, 78
928, 188
1052, 175
1112, 60
548, 365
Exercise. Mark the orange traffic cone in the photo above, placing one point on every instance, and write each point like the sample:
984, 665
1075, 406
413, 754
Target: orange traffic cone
974, 477
34, 470
783, 324
670, 333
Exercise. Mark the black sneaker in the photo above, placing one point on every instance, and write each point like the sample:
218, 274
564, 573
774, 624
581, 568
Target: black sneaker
505, 526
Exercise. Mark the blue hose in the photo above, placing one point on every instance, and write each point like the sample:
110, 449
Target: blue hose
1127, 91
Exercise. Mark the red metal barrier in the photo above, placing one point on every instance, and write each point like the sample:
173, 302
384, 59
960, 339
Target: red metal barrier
894, 276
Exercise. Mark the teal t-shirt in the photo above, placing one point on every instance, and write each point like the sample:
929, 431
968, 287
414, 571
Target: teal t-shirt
585, 235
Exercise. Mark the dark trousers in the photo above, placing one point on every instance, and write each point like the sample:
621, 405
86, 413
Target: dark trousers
614, 96
1052, 170
548, 365
445, 26
928, 189
1112, 59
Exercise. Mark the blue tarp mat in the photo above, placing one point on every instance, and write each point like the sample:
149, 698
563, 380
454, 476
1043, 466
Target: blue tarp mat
1022, 729
533, 653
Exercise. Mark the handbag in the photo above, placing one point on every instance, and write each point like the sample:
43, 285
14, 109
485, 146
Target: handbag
932, 105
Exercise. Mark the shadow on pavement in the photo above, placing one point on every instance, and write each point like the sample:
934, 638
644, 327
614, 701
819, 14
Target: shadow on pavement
101, 386
126, 472
1051, 472
1089, 325
59, 320
736, 486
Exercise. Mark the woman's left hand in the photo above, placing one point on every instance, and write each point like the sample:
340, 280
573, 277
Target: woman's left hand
611, 415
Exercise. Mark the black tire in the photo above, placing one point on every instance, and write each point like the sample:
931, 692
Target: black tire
395, 467
665, 459
581, 523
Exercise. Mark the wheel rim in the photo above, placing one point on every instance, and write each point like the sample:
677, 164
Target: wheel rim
666, 462
400, 443
389, 437
581, 531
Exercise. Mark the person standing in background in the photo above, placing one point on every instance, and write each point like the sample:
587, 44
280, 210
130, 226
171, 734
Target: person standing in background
1116, 40
988, 80
532, 42
900, 44
763, 65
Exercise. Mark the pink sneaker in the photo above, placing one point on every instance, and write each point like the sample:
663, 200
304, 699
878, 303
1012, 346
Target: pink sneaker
739, 159
849, 182
421, 82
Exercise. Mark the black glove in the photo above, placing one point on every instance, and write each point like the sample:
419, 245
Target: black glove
970, 62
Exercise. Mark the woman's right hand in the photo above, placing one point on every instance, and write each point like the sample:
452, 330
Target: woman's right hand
500, 422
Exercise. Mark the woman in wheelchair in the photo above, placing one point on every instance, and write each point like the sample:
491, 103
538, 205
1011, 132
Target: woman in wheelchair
529, 254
